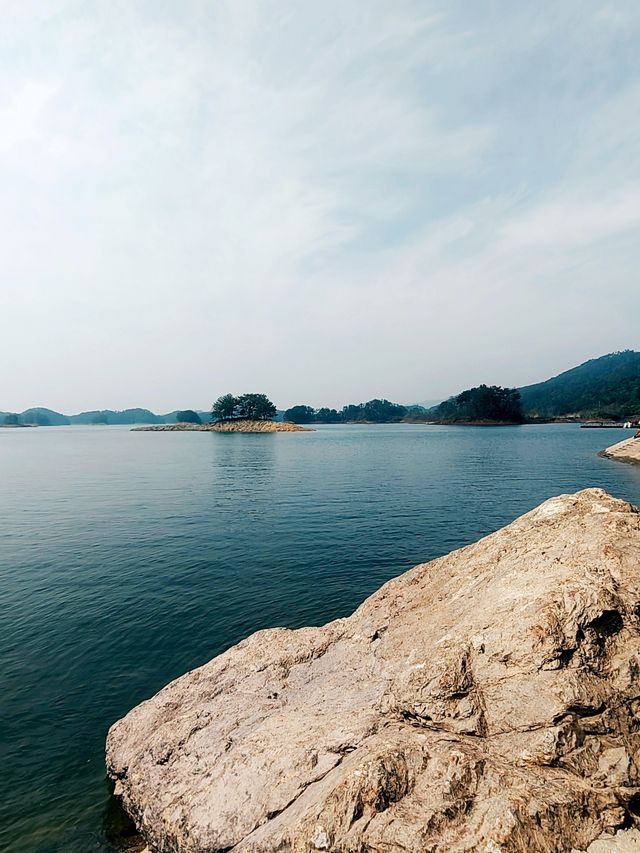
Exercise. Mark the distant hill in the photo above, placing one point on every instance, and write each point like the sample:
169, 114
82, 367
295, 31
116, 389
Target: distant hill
43, 417
40, 416
426, 404
603, 387
109, 416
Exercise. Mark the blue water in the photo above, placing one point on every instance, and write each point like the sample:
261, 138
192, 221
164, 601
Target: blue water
128, 558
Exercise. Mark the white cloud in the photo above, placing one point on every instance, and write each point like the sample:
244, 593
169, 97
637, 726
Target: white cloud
363, 191
571, 224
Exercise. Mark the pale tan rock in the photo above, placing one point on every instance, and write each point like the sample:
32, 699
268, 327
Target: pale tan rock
624, 451
624, 841
487, 701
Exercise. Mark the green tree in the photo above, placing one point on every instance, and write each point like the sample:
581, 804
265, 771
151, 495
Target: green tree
383, 411
224, 408
188, 416
256, 407
483, 403
374, 411
12, 419
328, 416
300, 414
352, 412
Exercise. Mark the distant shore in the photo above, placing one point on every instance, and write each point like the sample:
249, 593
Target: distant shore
227, 426
17, 426
624, 451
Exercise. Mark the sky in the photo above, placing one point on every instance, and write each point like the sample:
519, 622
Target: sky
326, 202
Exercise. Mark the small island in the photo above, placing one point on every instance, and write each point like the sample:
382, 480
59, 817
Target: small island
246, 413
240, 425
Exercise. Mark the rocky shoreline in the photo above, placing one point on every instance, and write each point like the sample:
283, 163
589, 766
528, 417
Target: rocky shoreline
227, 426
624, 451
486, 701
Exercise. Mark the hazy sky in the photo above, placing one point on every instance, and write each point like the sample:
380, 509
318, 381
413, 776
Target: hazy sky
325, 201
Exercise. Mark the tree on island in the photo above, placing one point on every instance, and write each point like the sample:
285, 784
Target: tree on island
12, 419
188, 416
484, 403
224, 408
256, 407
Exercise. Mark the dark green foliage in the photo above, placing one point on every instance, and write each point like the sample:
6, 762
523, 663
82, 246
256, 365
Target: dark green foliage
224, 408
12, 419
100, 419
327, 416
252, 406
188, 416
375, 411
605, 387
417, 414
484, 403
256, 407
300, 414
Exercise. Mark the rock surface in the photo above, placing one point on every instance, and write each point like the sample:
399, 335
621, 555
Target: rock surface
227, 426
624, 841
624, 451
486, 701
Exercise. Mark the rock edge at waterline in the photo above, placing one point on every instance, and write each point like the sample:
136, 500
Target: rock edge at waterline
227, 426
624, 451
486, 701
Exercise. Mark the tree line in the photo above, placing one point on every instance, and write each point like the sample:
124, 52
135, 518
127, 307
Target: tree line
374, 411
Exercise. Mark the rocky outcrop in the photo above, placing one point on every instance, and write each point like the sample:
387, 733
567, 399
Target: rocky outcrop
486, 701
259, 426
624, 451
227, 426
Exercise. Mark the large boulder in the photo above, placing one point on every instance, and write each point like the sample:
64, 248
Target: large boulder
486, 701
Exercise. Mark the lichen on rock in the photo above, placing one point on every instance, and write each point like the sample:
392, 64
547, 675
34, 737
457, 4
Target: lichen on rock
486, 701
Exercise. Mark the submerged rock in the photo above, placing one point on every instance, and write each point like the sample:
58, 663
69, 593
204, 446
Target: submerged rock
486, 701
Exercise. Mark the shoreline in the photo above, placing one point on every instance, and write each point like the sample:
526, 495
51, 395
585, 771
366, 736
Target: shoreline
627, 451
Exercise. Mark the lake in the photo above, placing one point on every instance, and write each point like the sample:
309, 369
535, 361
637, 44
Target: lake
128, 558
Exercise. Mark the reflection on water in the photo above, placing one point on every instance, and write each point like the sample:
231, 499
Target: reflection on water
128, 558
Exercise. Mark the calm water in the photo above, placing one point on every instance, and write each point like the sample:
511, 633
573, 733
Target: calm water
128, 558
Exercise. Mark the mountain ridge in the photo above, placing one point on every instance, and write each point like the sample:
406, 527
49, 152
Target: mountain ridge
607, 386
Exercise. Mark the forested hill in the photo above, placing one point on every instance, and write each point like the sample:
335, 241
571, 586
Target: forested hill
39, 416
608, 386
